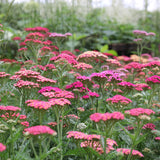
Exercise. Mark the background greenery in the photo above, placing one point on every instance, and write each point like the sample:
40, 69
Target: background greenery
92, 27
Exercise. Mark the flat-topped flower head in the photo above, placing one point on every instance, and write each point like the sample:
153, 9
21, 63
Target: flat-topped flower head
149, 126
126, 85
60, 35
134, 65
59, 94
23, 74
99, 77
26, 84
59, 102
91, 95
118, 99
35, 35
157, 138
84, 79
43, 80
83, 66
2, 147
126, 151
139, 111
97, 146
142, 86
90, 56
39, 130
153, 79
37, 29
4, 75
50, 66
66, 57
38, 104
97, 117
10, 108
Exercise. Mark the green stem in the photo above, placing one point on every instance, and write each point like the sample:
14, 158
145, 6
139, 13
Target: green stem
34, 151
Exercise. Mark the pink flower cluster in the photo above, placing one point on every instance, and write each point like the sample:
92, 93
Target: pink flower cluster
134, 65
35, 35
96, 145
50, 66
10, 108
59, 102
91, 94
45, 80
23, 73
126, 151
23, 49
26, 84
81, 135
59, 94
72, 116
153, 79
3, 74
91, 55
48, 89
139, 111
39, 130
119, 99
83, 66
126, 85
69, 53
59, 34
150, 126
142, 86
16, 38
152, 64
2, 147
96, 117
66, 57
157, 138
43, 68
38, 104
143, 33
37, 29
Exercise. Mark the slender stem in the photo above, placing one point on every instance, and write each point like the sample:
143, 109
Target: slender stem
34, 151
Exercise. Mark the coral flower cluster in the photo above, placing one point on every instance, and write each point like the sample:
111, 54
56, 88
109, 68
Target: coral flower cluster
59, 102
97, 117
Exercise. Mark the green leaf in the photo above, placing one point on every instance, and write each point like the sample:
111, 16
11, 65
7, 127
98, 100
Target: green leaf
104, 48
113, 52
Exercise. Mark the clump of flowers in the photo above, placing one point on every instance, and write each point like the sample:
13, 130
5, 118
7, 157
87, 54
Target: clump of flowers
37, 29
26, 84
39, 130
118, 101
115, 116
91, 95
4, 75
137, 112
153, 79
83, 66
126, 85
59, 94
38, 104
96, 145
61, 102
142, 86
127, 152
150, 126
90, 56
66, 57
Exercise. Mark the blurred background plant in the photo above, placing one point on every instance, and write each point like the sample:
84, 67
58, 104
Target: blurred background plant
93, 23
